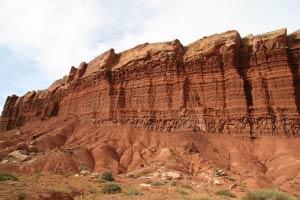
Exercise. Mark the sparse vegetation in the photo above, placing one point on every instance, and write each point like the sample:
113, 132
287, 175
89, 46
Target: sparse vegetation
267, 194
111, 188
202, 198
188, 187
173, 183
182, 192
107, 176
133, 191
6, 176
41, 174
130, 176
100, 180
156, 184
168, 178
92, 189
230, 178
225, 193
21, 196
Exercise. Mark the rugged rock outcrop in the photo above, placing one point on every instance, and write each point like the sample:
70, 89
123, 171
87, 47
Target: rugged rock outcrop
219, 84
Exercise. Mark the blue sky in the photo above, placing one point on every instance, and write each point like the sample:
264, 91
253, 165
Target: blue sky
41, 39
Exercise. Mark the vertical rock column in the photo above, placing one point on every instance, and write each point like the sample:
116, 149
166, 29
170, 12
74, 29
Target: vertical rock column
235, 98
266, 62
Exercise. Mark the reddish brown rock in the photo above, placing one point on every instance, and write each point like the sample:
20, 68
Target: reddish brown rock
152, 109
219, 84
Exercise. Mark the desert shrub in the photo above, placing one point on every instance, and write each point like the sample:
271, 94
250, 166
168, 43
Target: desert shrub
111, 188
92, 189
5, 176
133, 191
230, 178
130, 176
107, 176
168, 178
173, 183
267, 194
21, 196
225, 193
182, 192
202, 198
187, 187
156, 184
100, 180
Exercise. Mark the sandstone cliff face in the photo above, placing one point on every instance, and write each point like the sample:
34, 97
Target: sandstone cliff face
219, 84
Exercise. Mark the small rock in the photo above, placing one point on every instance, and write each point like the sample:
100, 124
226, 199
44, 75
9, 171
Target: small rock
174, 175
4, 161
84, 172
145, 185
32, 148
45, 196
95, 175
232, 186
217, 182
220, 172
18, 132
37, 135
76, 175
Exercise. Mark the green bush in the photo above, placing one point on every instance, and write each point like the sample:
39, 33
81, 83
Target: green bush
100, 180
133, 191
266, 194
111, 188
173, 183
107, 176
21, 196
156, 184
5, 176
225, 193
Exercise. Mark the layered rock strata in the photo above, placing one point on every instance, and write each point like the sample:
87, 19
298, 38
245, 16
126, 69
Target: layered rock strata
219, 84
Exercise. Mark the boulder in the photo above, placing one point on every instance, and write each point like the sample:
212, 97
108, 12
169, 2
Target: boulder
172, 174
22, 146
19, 156
32, 148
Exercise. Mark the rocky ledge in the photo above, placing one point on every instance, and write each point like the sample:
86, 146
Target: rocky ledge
221, 84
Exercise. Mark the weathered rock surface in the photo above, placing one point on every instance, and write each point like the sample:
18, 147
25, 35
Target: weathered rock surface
219, 84
18, 155
142, 111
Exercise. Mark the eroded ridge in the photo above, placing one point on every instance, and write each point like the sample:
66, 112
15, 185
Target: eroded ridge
219, 84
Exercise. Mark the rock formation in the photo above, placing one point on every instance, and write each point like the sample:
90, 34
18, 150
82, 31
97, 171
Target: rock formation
221, 84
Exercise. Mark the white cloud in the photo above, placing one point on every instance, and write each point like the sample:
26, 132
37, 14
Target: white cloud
194, 19
57, 31
56, 34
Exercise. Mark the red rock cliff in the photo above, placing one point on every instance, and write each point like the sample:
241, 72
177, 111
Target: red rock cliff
219, 84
